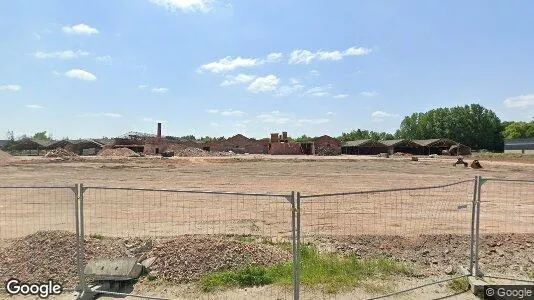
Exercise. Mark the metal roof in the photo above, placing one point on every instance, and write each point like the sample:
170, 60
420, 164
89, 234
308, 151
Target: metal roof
390, 143
360, 143
519, 144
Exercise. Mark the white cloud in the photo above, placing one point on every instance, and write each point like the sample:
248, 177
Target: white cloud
108, 114
232, 113
287, 90
369, 94
341, 96
379, 116
80, 29
312, 121
227, 112
238, 79
274, 57
353, 51
302, 56
10, 87
268, 83
229, 64
522, 101
106, 59
330, 113
37, 36
33, 106
80, 74
67, 54
319, 91
274, 117
152, 120
142, 86
214, 124
159, 90
185, 5
329, 55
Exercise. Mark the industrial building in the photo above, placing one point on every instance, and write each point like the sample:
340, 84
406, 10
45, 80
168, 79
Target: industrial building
414, 147
521, 146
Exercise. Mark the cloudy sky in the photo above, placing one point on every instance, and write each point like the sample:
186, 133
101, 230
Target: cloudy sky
220, 67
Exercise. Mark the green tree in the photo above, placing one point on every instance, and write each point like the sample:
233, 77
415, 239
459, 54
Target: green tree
360, 134
471, 125
42, 136
518, 130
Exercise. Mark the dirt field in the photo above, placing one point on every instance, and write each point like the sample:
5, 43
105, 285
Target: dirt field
445, 211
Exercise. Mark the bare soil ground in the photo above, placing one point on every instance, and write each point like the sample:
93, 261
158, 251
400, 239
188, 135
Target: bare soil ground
402, 224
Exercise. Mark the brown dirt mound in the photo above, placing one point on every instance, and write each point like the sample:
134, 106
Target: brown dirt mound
5, 157
50, 255
118, 152
60, 152
188, 258
196, 152
433, 254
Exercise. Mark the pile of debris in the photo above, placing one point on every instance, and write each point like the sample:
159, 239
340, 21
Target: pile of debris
192, 152
5, 157
59, 152
187, 258
118, 152
323, 150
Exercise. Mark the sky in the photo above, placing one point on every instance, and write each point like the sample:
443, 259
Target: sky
98, 68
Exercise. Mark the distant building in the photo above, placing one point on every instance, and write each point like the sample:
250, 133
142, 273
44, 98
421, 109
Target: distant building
522, 146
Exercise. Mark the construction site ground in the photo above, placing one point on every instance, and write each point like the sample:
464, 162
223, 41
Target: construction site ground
328, 222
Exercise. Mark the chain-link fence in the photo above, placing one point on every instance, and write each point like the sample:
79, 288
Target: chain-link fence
506, 234
191, 234
203, 243
38, 234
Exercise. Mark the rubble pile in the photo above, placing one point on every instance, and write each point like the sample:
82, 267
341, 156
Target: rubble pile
187, 258
59, 152
325, 151
196, 152
118, 152
5, 157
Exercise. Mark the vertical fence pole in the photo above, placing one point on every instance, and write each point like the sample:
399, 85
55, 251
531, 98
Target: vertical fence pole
473, 216
79, 264
294, 245
82, 238
299, 258
477, 224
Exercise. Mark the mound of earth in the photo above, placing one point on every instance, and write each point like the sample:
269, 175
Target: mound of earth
60, 152
5, 157
50, 255
187, 258
192, 152
436, 254
118, 152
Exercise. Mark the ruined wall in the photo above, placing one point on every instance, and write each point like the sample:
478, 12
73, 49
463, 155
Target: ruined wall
285, 149
168, 145
240, 144
327, 143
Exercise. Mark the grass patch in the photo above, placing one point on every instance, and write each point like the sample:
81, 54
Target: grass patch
459, 285
531, 274
331, 272
96, 236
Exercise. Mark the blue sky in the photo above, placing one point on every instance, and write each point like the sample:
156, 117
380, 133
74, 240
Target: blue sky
220, 67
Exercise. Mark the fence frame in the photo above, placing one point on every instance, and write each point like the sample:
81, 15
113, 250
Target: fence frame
294, 200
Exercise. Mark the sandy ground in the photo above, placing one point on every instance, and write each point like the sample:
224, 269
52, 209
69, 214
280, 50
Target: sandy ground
505, 207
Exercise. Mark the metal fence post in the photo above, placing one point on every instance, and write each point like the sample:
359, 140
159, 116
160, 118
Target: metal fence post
477, 224
294, 245
79, 263
81, 238
473, 216
299, 258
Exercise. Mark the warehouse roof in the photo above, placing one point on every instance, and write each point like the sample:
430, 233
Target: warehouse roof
363, 143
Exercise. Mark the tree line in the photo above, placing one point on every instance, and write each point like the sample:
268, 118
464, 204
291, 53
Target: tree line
472, 125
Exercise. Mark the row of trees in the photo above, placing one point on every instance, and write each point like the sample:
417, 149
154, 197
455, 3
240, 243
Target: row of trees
472, 125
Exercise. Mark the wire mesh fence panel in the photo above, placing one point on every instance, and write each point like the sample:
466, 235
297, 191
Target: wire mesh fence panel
38, 235
409, 231
195, 237
506, 234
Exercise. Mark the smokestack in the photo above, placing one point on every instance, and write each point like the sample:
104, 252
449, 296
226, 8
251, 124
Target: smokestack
159, 130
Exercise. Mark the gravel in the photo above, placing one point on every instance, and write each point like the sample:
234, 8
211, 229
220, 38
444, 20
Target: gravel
118, 152
59, 153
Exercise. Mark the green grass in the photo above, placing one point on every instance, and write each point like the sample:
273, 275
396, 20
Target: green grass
96, 236
459, 285
329, 272
531, 274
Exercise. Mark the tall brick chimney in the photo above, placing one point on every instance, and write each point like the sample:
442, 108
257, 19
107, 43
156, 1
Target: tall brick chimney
159, 130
